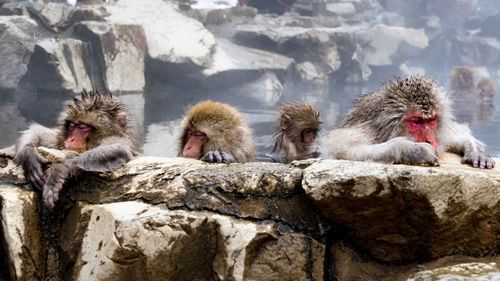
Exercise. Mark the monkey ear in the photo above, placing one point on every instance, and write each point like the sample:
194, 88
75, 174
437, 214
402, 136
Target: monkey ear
284, 122
122, 119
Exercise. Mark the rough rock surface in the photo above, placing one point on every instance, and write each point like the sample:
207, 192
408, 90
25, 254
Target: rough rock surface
181, 219
20, 233
59, 65
402, 213
120, 52
461, 272
16, 46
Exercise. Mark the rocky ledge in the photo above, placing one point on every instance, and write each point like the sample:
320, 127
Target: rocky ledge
179, 219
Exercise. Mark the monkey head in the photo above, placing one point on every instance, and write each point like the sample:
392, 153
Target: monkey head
299, 123
214, 126
486, 89
413, 107
462, 79
89, 119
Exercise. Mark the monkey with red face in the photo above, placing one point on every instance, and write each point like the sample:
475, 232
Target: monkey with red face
94, 127
215, 132
407, 121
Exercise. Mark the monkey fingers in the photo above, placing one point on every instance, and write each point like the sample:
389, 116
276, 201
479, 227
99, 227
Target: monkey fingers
227, 158
218, 157
33, 170
51, 194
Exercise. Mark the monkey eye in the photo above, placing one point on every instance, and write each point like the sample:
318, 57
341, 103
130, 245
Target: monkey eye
84, 127
418, 121
192, 133
310, 131
71, 126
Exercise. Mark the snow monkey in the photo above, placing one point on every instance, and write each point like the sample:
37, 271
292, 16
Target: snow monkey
407, 121
215, 132
486, 89
95, 126
295, 133
463, 82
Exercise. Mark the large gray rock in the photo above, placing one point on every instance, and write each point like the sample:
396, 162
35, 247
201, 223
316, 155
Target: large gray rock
120, 52
403, 213
53, 16
60, 65
190, 46
17, 42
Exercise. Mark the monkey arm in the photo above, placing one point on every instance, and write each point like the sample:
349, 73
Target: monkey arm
111, 154
356, 144
27, 156
458, 138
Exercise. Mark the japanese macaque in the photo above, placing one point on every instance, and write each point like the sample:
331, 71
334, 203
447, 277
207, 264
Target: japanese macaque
462, 81
215, 132
486, 90
295, 133
407, 121
94, 127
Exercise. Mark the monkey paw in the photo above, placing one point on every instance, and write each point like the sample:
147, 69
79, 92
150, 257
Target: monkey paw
56, 175
218, 157
419, 154
478, 159
32, 164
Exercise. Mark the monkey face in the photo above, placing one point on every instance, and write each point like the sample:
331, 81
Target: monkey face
193, 145
422, 129
77, 136
309, 137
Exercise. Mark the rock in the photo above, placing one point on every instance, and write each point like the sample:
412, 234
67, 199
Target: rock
12, 122
20, 233
131, 240
174, 51
120, 52
488, 26
13, 9
388, 45
234, 65
59, 65
16, 46
404, 213
462, 272
54, 16
55, 155
310, 74
343, 9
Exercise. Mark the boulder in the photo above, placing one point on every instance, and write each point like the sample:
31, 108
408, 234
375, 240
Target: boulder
401, 214
20, 232
132, 241
16, 46
54, 16
120, 52
234, 65
389, 45
59, 65
173, 50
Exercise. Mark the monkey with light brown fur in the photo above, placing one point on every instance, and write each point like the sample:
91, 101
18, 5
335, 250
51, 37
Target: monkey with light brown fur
407, 121
486, 89
215, 132
93, 125
295, 133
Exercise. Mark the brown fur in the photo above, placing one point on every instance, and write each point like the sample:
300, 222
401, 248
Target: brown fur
224, 126
294, 117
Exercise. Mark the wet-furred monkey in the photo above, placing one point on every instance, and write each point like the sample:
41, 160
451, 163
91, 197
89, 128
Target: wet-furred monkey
95, 126
407, 121
215, 132
296, 132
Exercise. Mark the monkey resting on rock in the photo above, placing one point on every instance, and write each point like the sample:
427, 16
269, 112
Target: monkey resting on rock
93, 125
407, 121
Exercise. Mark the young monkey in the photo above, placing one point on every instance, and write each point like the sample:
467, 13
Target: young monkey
295, 133
215, 132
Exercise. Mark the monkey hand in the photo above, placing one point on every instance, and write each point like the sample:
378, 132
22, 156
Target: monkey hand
415, 153
32, 164
218, 157
477, 157
56, 176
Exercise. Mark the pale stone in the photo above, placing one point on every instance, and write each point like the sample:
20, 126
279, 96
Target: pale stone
20, 232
